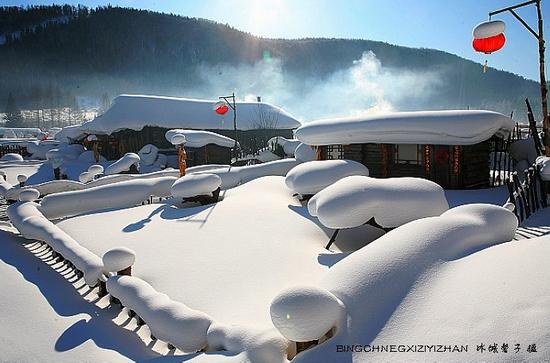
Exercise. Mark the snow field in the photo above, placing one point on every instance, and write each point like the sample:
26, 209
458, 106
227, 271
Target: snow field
195, 184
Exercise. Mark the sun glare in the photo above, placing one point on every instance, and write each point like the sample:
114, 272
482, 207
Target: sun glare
266, 16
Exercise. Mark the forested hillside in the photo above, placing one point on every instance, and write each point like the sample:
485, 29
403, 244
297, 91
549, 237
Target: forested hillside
54, 56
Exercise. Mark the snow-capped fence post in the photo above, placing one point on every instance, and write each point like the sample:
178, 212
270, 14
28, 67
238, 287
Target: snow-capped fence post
22, 179
118, 260
527, 196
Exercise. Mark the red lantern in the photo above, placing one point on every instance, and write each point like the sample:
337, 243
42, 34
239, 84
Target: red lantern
489, 36
221, 107
490, 44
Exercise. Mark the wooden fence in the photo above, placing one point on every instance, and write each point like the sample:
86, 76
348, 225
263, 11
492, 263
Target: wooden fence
528, 195
15, 149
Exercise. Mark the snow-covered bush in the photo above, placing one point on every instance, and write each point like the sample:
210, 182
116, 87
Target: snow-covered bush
148, 154
168, 320
123, 164
11, 157
161, 161
117, 195
192, 185
22, 179
287, 145
313, 176
304, 153
305, 313
354, 200
118, 259
29, 195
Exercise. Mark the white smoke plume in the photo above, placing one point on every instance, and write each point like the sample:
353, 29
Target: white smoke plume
366, 87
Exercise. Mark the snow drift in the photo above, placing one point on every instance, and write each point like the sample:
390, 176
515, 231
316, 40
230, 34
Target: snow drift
117, 195
197, 138
195, 184
123, 164
372, 281
354, 200
313, 176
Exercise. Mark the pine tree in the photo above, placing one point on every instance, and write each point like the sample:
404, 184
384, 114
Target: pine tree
13, 114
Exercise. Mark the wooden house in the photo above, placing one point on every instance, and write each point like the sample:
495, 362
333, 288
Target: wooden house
134, 121
451, 148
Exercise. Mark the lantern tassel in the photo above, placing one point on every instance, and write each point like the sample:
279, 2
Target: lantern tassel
485, 66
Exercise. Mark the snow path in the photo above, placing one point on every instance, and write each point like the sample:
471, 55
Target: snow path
537, 225
203, 255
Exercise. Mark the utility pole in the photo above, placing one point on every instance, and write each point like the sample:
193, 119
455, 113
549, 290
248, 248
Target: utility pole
540, 37
233, 106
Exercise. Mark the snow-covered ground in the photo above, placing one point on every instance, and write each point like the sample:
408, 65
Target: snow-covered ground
202, 256
461, 278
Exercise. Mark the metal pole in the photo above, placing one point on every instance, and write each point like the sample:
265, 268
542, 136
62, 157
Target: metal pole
235, 125
543, 88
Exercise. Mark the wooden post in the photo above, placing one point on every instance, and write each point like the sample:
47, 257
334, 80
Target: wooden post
182, 157
543, 89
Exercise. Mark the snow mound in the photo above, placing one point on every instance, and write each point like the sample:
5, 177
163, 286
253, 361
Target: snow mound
11, 157
233, 176
178, 139
195, 184
95, 169
5, 188
289, 145
85, 177
196, 138
257, 344
451, 127
373, 281
117, 195
168, 320
22, 178
544, 163
161, 161
31, 223
523, 149
354, 200
123, 164
118, 259
29, 195
313, 176
305, 313
148, 154
304, 152
38, 149
88, 157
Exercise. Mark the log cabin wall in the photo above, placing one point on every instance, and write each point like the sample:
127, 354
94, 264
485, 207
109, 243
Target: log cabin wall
451, 166
124, 141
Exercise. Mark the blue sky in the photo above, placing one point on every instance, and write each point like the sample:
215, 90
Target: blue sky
440, 24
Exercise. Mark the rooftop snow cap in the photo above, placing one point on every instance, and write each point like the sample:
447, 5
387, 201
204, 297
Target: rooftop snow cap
137, 111
453, 127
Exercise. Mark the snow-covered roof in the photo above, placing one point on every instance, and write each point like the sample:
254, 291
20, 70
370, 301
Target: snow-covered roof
450, 127
137, 111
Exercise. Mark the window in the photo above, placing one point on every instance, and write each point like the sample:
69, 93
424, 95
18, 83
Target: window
407, 154
335, 152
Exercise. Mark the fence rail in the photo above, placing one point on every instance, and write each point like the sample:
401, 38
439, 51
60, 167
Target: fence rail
15, 149
528, 195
